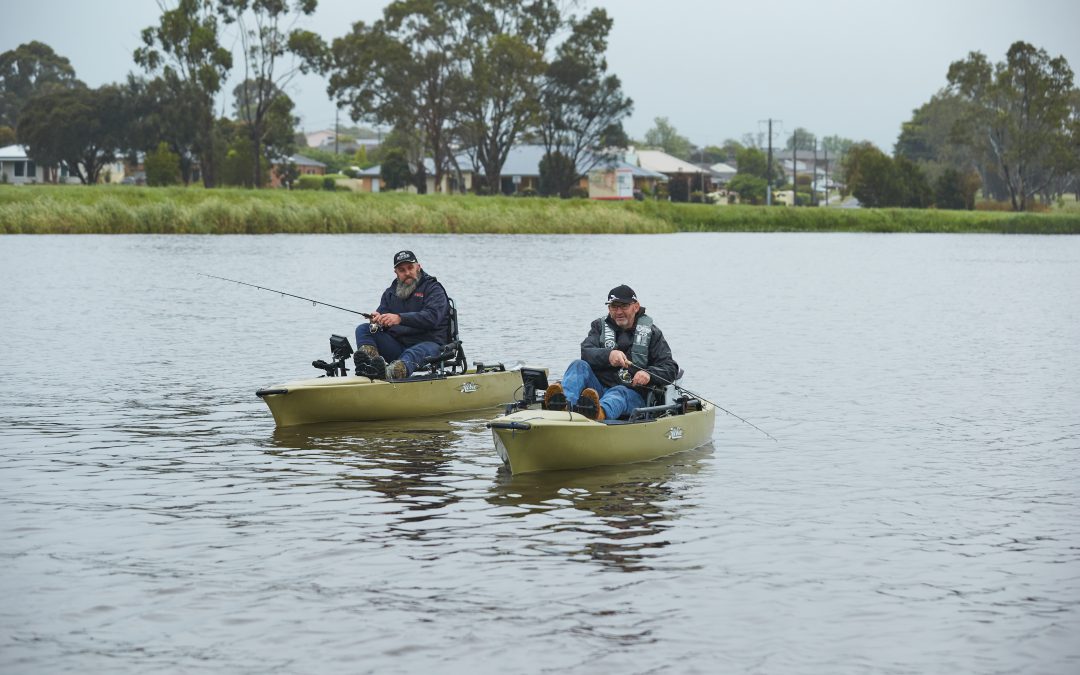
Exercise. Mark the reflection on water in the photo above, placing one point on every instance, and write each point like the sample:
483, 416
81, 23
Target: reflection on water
624, 511
408, 462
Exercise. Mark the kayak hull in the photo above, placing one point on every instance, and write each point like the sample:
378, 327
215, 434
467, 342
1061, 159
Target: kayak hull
546, 440
359, 399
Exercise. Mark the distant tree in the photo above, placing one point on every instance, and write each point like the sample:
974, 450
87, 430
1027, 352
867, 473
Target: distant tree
581, 106
836, 146
664, 136
801, 140
955, 190
404, 70
80, 128
877, 180
162, 166
156, 114
554, 168
7, 136
184, 48
754, 162
394, 170
287, 173
730, 149
265, 40
236, 169
750, 188
500, 89
1019, 108
30, 69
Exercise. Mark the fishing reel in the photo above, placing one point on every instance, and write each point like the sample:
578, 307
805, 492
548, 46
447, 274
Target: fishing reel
625, 377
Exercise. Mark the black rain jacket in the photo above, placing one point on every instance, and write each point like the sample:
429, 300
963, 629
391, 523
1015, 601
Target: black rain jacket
596, 354
425, 315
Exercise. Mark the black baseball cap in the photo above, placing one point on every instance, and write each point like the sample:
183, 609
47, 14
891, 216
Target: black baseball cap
621, 294
404, 257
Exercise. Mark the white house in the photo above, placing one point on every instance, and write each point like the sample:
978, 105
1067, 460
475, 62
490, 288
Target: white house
18, 169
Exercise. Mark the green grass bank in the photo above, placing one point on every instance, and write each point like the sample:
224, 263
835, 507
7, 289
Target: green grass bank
50, 209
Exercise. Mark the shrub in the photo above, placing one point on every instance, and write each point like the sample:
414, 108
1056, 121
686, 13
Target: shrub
309, 183
162, 166
578, 192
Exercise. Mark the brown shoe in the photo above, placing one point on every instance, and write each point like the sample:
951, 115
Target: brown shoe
554, 399
589, 405
396, 370
371, 351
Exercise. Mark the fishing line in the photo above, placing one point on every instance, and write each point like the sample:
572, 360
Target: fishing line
273, 290
699, 396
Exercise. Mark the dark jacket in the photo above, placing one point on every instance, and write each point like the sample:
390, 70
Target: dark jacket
596, 354
425, 315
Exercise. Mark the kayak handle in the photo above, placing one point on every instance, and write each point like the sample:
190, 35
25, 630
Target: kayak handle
270, 392
515, 426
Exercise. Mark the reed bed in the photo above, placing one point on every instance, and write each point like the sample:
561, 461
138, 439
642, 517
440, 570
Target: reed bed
47, 209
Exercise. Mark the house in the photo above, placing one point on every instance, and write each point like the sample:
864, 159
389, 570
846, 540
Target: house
618, 179
370, 179
696, 178
305, 165
17, 168
318, 139
722, 173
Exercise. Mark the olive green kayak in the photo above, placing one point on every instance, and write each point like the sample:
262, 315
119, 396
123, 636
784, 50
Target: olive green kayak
360, 399
547, 440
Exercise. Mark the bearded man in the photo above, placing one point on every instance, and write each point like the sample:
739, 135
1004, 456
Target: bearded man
619, 357
410, 325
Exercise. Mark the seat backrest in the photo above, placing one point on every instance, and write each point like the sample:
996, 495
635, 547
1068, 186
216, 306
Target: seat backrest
451, 358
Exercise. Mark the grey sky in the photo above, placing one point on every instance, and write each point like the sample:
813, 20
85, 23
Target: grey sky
856, 68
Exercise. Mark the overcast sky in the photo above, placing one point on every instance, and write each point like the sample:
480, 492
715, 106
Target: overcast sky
715, 69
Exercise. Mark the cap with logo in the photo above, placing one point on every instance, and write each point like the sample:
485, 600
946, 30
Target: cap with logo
621, 294
404, 257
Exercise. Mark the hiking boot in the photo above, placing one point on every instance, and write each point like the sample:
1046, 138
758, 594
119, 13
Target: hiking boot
589, 405
554, 398
396, 370
371, 368
359, 359
370, 351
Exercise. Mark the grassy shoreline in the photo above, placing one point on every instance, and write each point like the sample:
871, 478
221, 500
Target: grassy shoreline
48, 209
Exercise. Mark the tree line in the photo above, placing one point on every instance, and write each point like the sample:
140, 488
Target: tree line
452, 78
1010, 129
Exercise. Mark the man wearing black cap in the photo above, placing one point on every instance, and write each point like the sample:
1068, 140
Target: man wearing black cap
619, 359
410, 325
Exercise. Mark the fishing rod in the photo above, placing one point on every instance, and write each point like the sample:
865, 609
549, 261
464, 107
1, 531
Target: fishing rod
699, 396
272, 290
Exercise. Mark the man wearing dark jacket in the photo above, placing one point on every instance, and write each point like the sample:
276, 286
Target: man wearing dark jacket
410, 325
619, 359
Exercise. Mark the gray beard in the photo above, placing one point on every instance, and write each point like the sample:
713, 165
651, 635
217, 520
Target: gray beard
404, 291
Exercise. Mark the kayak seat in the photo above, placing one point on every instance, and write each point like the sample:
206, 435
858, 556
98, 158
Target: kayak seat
663, 394
451, 357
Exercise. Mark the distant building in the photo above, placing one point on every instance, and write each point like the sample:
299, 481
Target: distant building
305, 165
17, 168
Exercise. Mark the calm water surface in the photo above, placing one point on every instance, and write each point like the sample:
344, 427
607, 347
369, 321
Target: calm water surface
919, 513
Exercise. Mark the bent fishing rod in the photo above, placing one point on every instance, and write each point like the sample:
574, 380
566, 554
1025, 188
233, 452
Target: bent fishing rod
272, 290
684, 390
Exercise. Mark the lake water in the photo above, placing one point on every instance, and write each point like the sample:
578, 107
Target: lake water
920, 512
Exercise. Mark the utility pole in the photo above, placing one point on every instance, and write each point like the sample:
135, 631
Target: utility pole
768, 170
813, 183
826, 148
795, 167
336, 110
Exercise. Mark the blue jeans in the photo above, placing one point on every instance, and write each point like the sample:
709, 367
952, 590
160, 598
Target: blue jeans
392, 350
617, 401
